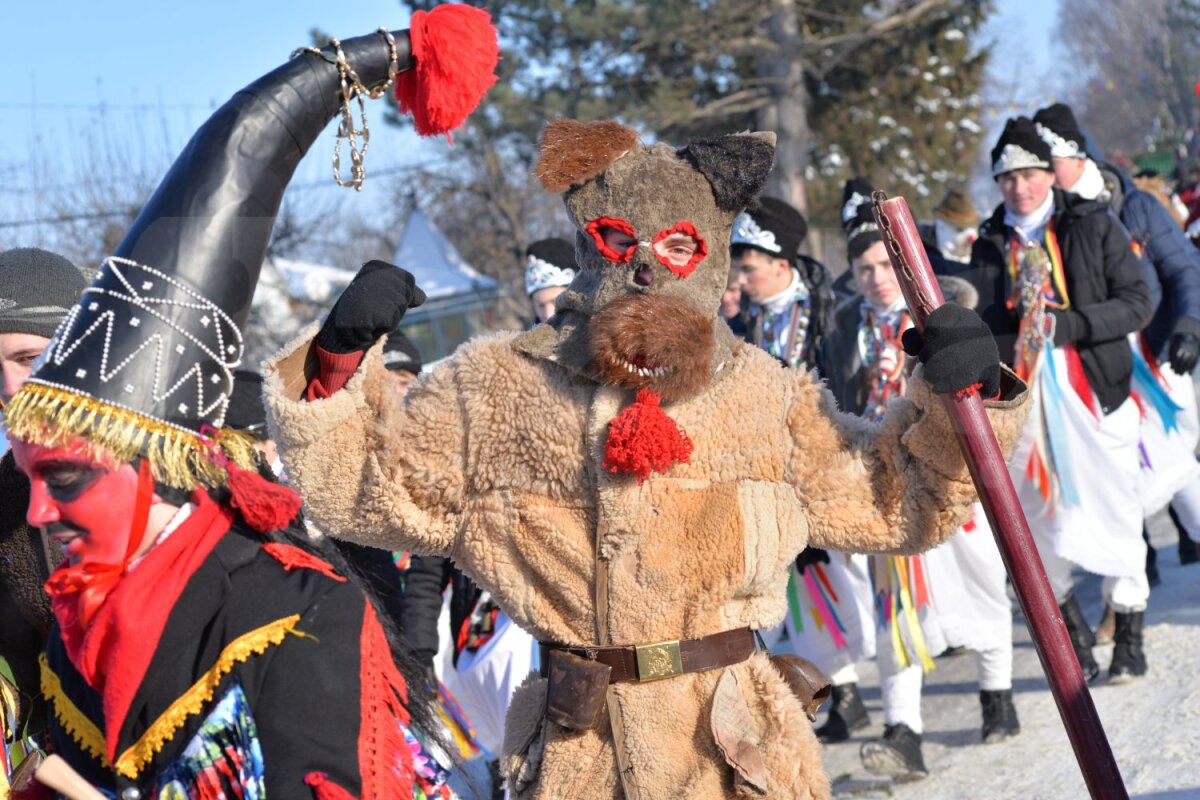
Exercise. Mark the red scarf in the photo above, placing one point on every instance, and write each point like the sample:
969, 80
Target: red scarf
128, 610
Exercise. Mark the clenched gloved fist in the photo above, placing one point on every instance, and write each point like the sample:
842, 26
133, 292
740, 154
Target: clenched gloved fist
1184, 352
958, 351
370, 307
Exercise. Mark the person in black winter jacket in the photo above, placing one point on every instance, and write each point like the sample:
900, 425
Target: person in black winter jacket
1061, 289
1172, 268
787, 296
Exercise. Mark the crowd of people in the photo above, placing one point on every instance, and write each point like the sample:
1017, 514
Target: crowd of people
649, 543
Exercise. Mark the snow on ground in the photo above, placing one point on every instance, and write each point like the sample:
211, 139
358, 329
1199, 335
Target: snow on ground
1153, 723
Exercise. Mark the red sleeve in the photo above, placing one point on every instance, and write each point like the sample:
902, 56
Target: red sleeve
335, 369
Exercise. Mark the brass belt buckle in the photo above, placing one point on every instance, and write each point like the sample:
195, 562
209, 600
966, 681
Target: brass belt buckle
659, 660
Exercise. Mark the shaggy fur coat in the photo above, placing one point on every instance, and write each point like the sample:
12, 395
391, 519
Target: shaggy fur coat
494, 459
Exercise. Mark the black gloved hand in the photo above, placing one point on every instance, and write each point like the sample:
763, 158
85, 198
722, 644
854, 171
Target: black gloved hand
1069, 326
1184, 351
958, 351
810, 556
370, 307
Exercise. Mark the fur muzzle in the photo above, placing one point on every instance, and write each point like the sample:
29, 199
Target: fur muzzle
656, 342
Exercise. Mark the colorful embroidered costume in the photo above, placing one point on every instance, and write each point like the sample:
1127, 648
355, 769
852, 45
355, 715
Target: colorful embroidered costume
204, 647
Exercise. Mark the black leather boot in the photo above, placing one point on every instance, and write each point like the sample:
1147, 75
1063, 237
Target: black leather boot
897, 754
999, 715
1082, 637
1188, 553
1129, 660
1151, 559
846, 713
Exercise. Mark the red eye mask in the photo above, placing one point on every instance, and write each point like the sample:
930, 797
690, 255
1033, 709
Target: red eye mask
679, 248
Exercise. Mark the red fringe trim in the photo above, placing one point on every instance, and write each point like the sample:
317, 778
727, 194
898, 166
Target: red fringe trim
325, 789
293, 557
383, 755
968, 390
643, 439
456, 50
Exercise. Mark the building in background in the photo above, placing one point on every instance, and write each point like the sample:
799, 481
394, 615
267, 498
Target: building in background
461, 304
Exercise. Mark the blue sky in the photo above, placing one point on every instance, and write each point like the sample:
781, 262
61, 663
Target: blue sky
137, 77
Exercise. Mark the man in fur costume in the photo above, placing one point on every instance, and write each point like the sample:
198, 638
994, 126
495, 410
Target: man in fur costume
629, 480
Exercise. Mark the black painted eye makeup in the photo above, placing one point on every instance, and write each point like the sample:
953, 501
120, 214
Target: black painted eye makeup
66, 483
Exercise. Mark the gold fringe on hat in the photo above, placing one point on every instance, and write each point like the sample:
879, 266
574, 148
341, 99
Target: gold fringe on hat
54, 416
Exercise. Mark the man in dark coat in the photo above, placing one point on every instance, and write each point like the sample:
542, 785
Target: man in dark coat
1173, 277
37, 289
1061, 290
787, 295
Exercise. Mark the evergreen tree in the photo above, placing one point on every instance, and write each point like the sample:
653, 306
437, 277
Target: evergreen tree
883, 87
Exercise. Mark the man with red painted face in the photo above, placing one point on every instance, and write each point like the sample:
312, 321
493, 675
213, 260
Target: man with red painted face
1061, 290
203, 645
36, 290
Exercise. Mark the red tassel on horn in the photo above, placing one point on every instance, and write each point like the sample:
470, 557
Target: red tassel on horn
456, 51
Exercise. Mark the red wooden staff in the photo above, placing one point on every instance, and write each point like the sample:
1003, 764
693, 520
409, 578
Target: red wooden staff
999, 499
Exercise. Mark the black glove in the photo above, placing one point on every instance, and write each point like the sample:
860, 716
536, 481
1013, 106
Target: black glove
810, 556
1069, 326
1184, 352
370, 307
958, 351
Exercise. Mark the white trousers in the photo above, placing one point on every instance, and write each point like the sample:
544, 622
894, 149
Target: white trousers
1126, 594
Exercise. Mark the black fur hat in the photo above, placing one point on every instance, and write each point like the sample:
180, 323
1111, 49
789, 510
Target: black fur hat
400, 353
1057, 126
1020, 147
772, 226
858, 220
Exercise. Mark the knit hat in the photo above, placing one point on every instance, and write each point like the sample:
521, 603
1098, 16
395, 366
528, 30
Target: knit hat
772, 226
401, 353
246, 411
548, 263
858, 219
37, 289
144, 363
1020, 147
957, 209
1057, 126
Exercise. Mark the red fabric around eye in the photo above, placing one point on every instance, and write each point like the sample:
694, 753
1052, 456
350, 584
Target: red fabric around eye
596, 227
688, 229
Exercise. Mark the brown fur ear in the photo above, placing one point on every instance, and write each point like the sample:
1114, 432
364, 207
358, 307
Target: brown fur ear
573, 152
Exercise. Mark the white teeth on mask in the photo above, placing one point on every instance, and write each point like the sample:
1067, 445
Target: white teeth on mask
646, 372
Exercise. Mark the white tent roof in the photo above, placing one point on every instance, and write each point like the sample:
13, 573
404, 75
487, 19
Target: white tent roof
423, 251
434, 262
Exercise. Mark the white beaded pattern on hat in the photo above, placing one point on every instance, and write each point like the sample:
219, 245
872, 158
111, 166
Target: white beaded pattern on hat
747, 231
850, 209
1014, 157
224, 352
541, 274
1059, 147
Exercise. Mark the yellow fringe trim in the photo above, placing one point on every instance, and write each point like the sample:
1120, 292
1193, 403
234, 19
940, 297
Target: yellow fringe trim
74, 722
54, 416
130, 763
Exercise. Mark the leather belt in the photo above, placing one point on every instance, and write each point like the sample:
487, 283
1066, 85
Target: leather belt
651, 662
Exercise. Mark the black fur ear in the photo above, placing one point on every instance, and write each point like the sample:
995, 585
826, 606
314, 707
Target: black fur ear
736, 166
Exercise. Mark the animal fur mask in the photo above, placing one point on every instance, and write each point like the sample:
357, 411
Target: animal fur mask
652, 243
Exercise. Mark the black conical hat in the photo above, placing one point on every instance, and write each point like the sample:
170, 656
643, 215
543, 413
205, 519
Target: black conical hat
146, 360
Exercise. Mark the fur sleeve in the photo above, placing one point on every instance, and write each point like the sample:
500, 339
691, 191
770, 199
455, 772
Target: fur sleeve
370, 469
899, 486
